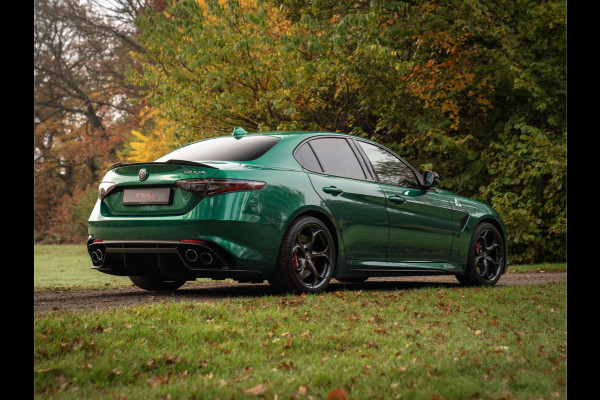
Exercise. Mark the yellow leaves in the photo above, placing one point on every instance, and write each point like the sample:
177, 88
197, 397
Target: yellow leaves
139, 135
157, 141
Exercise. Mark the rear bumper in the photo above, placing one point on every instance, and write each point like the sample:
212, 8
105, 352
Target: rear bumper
168, 259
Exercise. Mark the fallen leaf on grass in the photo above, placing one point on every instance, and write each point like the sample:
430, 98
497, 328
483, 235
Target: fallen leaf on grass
62, 381
157, 380
256, 390
287, 366
337, 394
288, 342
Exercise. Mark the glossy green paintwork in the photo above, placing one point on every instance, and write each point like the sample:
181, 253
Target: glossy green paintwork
359, 212
420, 227
373, 235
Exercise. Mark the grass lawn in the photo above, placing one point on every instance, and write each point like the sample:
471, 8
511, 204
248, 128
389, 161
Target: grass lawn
426, 343
68, 266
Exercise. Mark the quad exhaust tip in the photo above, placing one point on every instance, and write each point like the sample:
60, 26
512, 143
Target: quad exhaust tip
97, 256
206, 258
192, 256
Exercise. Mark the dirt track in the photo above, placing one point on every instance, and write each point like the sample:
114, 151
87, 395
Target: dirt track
100, 299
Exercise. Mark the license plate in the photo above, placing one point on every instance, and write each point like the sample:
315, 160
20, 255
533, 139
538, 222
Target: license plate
133, 197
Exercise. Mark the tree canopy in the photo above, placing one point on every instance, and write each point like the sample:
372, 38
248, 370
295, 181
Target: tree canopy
475, 90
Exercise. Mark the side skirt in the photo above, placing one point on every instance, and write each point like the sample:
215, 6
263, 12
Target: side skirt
356, 268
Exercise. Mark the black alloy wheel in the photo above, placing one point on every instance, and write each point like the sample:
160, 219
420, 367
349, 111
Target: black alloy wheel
485, 261
306, 257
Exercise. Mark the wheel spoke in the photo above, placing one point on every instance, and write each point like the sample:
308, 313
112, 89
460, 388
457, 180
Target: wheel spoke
484, 272
315, 273
324, 253
312, 239
483, 236
492, 247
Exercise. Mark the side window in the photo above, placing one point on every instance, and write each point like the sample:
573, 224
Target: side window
388, 167
337, 157
306, 157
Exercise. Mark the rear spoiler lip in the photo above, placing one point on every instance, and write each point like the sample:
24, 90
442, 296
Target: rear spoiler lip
179, 162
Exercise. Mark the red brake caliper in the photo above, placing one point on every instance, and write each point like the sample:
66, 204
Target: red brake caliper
296, 261
477, 246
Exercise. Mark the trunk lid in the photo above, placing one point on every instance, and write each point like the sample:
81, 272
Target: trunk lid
146, 189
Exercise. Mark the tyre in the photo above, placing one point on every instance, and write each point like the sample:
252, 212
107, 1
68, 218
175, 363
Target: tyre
306, 257
485, 260
154, 283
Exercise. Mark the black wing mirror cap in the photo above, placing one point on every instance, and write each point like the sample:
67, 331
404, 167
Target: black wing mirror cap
431, 179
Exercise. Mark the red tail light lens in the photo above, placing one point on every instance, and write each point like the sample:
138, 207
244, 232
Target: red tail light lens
196, 186
208, 187
218, 186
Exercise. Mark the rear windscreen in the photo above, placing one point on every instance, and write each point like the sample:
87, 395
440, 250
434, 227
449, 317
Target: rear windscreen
245, 148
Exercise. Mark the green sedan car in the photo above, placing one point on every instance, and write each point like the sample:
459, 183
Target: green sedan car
294, 208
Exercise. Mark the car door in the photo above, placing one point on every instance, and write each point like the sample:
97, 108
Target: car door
350, 193
420, 220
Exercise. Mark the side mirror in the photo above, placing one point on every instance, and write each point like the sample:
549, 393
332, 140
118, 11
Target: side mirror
431, 179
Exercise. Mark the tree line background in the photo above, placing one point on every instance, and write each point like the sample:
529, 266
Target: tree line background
473, 89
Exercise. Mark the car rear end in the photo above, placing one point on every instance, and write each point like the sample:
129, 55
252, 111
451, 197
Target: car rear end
181, 218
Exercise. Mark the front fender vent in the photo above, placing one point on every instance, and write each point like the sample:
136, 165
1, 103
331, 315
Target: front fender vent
463, 222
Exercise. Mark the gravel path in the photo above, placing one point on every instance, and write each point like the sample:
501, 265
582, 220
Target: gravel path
100, 299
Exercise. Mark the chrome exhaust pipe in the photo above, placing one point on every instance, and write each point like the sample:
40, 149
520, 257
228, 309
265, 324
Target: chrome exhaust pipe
191, 255
97, 256
206, 258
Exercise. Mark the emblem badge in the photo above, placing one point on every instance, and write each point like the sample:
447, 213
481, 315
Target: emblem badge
457, 203
143, 174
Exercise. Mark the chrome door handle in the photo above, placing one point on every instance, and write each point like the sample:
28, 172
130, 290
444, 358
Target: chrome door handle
332, 190
396, 199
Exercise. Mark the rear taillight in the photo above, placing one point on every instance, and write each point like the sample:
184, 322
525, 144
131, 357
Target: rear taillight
212, 187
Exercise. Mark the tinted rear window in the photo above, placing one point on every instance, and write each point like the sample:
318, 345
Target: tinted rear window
337, 157
245, 148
